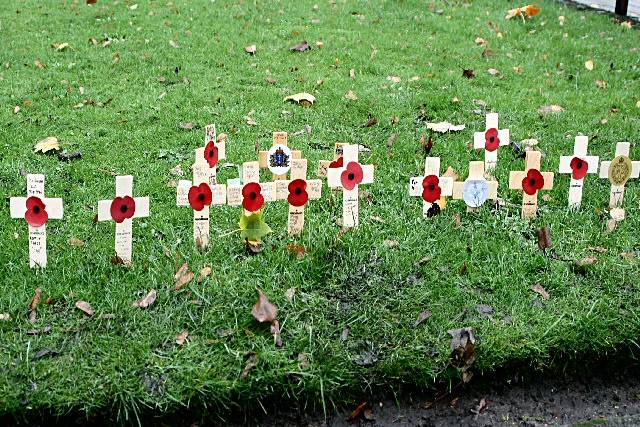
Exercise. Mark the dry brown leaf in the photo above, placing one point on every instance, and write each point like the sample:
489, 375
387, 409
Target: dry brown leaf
589, 65
544, 238
147, 301
351, 96
421, 318
553, 108
264, 310
390, 243
302, 98
529, 11
493, 71
47, 144
252, 362
181, 337
589, 260
598, 249
183, 276
537, 288
85, 307
300, 47
205, 272
299, 250
290, 294
251, 49
75, 242
394, 79
601, 84
33, 307
628, 255
444, 127
481, 42
60, 46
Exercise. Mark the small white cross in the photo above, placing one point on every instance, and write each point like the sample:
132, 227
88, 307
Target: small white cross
417, 184
212, 152
123, 209
250, 175
352, 174
579, 164
312, 188
36, 209
476, 189
487, 141
619, 171
535, 180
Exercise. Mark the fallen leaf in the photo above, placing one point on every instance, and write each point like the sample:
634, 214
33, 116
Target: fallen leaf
463, 350
319, 44
147, 301
528, 11
638, 104
75, 242
451, 173
290, 294
482, 405
626, 25
589, 65
628, 255
537, 288
351, 96
544, 238
550, 109
183, 276
493, 71
394, 79
299, 250
16, 109
5, 317
481, 42
85, 307
252, 362
264, 310
302, 98
390, 243
356, 413
275, 331
181, 337
444, 127
485, 309
60, 46
530, 143
33, 307
205, 272
177, 170
468, 73
251, 49
173, 44
371, 122
421, 318
185, 125
598, 249
601, 84
589, 260
561, 20
65, 156
39, 64
392, 140
133, 6
47, 144
300, 47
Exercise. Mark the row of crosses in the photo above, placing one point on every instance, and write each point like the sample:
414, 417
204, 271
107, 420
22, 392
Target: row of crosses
289, 182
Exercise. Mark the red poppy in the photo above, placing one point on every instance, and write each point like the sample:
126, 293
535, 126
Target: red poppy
122, 208
253, 200
338, 163
200, 196
351, 176
211, 153
533, 182
298, 195
36, 214
579, 167
491, 140
431, 190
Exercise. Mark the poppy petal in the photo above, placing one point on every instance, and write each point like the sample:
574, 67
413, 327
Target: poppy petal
579, 168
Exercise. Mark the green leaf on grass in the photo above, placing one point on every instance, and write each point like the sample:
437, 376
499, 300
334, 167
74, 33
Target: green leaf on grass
252, 227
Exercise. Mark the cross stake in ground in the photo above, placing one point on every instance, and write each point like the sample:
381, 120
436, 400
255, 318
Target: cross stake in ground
349, 177
278, 158
530, 181
619, 171
476, 189
36, 209
249, 191
298, 191
578, 165
490, 140
431, 186
212, 152
123, 209
200, 196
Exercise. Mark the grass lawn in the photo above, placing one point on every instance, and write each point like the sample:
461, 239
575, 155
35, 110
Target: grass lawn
184, 61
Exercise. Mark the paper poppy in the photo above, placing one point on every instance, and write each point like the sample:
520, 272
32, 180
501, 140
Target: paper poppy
351, 176
211, 153
431, 189
253, 200
36, 214
491, 139
298, 195
533, 182
123, 208
338, 163
200, 196
579, 167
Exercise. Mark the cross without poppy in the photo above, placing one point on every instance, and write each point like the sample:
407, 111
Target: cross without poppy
298, 192
249, 191
36, 210
578, 165
476, 189
200, 195
619, 171
530, 181
123, 209
349, 177
278, 158
431, 186
337, 162
490, 140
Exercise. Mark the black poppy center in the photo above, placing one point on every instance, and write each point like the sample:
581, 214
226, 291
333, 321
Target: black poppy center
298, 191
36, 209
212, 153
431, 187
201, 197
492, 139
253, 195
351, 176
579, 164
532, 182
124, 208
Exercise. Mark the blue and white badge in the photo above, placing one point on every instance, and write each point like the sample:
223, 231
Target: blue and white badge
475, 192
279, 159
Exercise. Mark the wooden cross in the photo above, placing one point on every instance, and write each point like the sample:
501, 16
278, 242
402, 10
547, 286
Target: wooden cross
36, 209
278, 158
123, 209
250, 184
212, 152
490, 140
476, 189
324, 165
578, 165
619, 171
297, 192
200, 195
431, 186
349, 177
530, 181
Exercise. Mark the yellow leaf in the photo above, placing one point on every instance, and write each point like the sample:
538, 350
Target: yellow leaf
531, 10
302, 98
638, 104
589, 65
47, 144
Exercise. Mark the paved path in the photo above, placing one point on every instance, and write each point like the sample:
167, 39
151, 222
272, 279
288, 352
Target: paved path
610, 5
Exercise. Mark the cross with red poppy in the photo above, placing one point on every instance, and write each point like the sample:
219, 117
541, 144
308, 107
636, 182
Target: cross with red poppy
349, 177
200, 196
530, 181
337, 162
123, 209
476, 189
298, 191
578, 165
619, 171
36, 209
490, 140
431, 187
213, 151
249, 191
278, 158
